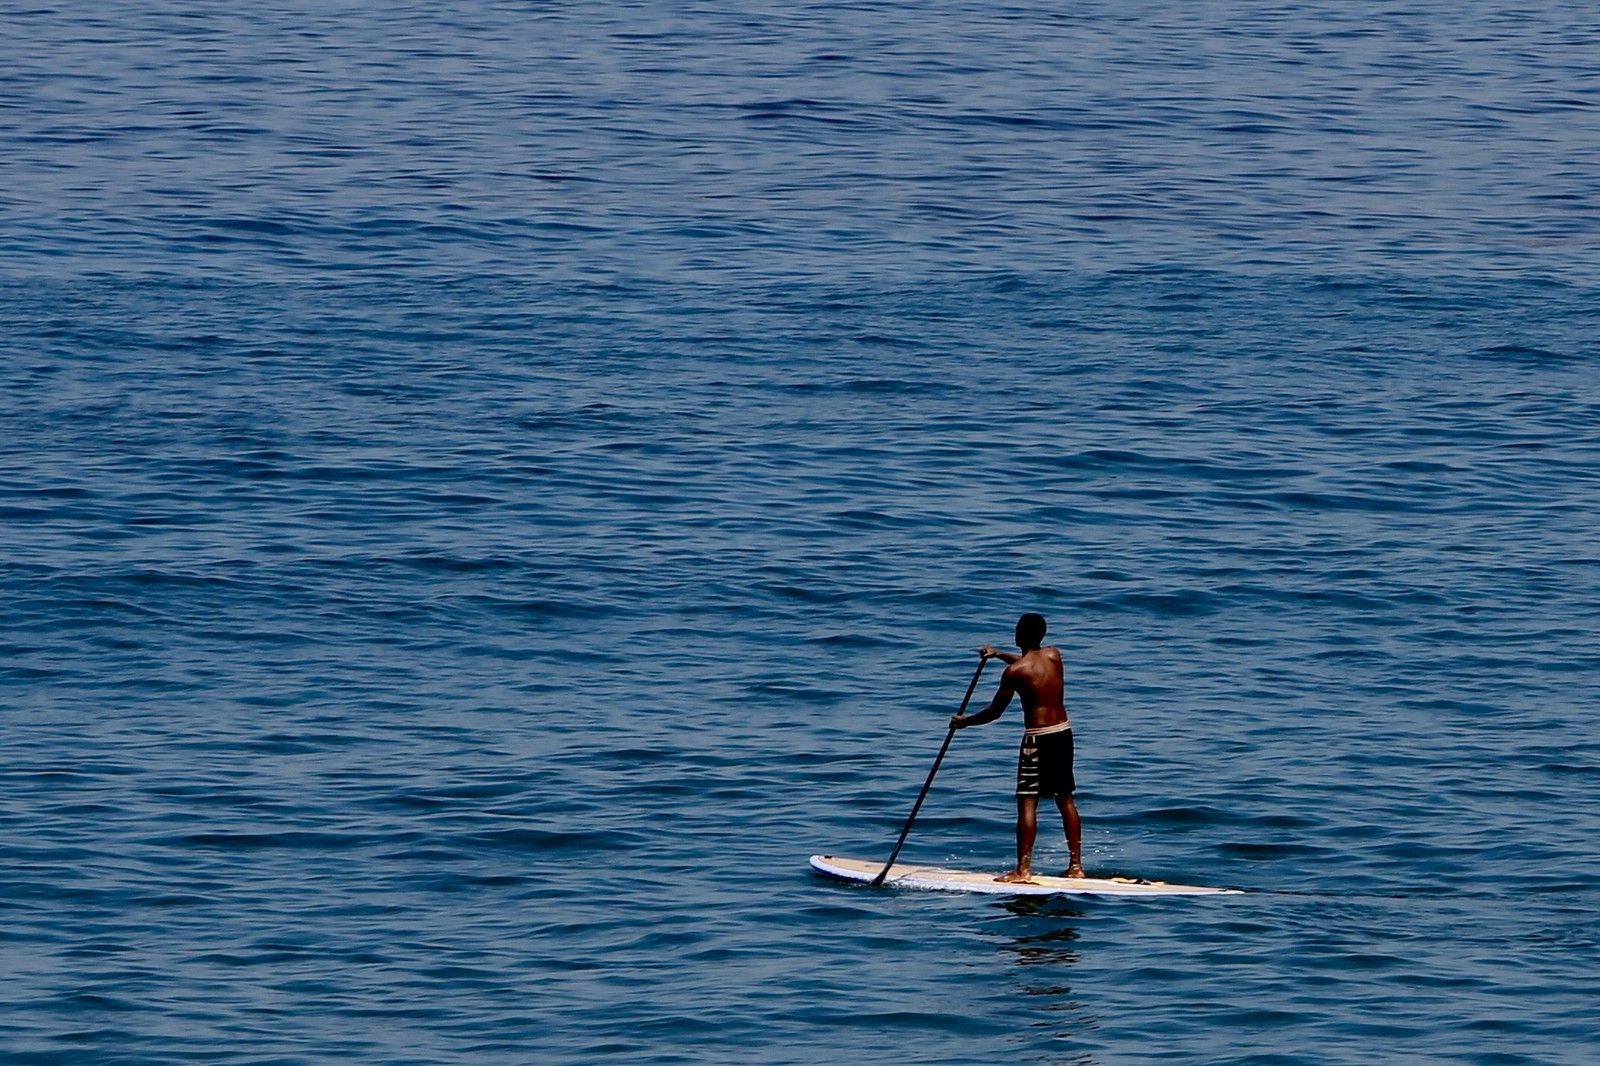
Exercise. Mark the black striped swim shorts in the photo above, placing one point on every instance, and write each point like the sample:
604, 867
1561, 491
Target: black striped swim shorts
1044, 765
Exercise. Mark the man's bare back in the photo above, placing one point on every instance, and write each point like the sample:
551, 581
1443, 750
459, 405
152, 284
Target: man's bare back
1036, 676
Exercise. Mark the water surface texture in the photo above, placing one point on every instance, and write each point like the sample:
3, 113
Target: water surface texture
487, 490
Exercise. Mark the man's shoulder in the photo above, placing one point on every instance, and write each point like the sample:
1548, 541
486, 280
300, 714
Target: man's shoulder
1036, 660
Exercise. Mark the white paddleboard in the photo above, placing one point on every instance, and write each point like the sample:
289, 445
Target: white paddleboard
903, 875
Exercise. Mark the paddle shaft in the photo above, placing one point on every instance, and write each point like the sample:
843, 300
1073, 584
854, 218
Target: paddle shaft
949, 735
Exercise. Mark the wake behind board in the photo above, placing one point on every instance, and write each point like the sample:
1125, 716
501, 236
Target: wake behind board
903, 875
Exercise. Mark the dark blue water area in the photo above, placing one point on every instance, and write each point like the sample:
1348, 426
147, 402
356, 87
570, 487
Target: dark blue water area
485, 493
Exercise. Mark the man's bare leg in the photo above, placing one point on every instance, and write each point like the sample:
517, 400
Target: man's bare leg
1074, 828
1027, 828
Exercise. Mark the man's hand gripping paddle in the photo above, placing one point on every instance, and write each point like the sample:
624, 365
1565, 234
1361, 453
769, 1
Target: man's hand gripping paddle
876, 881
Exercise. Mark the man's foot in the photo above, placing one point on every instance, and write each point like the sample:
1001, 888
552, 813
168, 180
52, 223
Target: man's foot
1075, 870
1016, 877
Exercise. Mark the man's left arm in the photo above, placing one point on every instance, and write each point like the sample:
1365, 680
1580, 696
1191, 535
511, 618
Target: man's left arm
997, 707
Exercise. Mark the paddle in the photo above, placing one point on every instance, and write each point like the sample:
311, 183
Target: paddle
950, 733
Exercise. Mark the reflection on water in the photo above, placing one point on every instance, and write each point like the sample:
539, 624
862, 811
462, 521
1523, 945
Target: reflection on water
1041, 933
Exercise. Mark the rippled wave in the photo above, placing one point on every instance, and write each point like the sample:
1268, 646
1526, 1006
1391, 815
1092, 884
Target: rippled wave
373, 666
641, 140
489, 490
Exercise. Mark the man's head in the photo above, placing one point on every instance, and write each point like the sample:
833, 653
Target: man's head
1030, 631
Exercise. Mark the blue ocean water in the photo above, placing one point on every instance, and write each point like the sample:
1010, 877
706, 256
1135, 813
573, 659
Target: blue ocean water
486, 491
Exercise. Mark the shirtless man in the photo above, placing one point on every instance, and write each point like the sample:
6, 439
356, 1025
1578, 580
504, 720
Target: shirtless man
1044, 767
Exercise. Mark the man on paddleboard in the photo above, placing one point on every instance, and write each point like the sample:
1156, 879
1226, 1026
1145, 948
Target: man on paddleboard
1044, 766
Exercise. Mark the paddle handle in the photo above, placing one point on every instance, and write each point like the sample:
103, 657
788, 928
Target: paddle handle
948, 736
